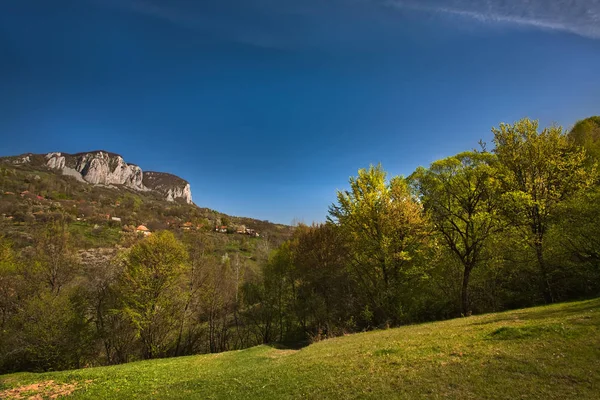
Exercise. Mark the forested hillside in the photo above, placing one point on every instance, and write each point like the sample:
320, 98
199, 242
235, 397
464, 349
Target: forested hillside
512, 224
65, 249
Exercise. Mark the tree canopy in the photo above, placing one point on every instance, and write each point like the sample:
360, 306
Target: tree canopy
461, 195
479, 231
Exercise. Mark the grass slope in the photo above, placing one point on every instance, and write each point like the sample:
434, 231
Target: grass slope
548, 352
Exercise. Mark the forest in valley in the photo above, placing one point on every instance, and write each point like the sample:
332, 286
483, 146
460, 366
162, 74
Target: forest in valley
510, 224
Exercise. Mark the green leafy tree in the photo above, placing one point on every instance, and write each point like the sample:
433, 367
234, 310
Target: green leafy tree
576, 239
49, 332
385, 230
55, 262
10, 298
586, 133
461, 195
538, 171
8, 278
324, 296
153, 268
100, 285
217, 302
272, 301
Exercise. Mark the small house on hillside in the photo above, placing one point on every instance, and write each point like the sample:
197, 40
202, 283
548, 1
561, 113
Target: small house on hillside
252, 232
116, 219
221, 229
187, 226
143, 230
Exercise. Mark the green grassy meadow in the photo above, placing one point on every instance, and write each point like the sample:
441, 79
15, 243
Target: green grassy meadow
550, 352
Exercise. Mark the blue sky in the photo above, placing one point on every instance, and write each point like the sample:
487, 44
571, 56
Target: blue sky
267, 107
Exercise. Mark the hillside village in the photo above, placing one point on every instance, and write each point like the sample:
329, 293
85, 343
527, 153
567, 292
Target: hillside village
43, 207
100, 216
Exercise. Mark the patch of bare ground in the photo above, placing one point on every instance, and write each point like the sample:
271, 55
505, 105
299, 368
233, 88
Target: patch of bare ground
40, 391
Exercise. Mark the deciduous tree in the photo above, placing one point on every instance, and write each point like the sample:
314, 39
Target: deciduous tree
538, 171
385, 231
461, 195
153, 268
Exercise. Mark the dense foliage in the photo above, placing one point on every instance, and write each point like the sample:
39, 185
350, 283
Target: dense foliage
476, 232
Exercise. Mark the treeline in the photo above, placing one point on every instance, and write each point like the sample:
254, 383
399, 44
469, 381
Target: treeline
480, 231
163, 296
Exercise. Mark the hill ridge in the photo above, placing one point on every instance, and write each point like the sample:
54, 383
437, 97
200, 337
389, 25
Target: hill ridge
101, 167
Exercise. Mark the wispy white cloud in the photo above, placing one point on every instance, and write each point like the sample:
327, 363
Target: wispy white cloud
264, 23
581, 17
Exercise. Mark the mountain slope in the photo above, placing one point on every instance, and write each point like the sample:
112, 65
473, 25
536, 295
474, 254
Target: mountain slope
33, 195
106, 168
538, 353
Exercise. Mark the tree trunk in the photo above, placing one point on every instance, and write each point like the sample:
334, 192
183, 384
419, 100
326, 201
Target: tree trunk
545, 287
180, 333
465, 304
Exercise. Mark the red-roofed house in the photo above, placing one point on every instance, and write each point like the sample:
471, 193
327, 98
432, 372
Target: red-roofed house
142, 229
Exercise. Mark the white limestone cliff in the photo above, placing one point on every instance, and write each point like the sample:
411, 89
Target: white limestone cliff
184, 192
170, 186
103, 168
55, 160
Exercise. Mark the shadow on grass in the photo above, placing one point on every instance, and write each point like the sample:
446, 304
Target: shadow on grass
565, 309
296, 345
554, 311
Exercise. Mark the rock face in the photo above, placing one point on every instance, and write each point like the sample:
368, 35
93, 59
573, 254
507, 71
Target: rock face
170, 186
104, 168
99, 168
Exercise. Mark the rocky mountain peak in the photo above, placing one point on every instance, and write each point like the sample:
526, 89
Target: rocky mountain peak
101, 167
